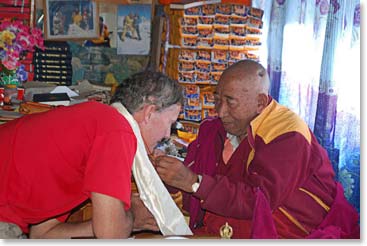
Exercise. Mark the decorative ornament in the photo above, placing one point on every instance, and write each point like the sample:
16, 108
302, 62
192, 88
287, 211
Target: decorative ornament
226, 231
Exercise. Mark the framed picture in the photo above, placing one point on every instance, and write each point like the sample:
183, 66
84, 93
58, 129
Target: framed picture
70, 19
133, 29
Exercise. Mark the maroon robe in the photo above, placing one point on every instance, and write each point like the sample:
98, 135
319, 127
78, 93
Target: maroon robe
281, 158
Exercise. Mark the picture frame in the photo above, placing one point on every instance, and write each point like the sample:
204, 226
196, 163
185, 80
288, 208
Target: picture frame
70, 20
134, 29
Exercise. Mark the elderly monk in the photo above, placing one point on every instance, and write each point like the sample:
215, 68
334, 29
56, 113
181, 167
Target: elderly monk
258, 167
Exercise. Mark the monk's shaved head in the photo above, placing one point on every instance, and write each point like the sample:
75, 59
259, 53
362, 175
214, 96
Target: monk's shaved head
252, 74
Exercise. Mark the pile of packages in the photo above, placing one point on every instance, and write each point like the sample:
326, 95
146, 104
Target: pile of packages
200, 42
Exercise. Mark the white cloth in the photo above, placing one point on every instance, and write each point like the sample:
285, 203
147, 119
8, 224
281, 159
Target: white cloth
151, 189
234, 140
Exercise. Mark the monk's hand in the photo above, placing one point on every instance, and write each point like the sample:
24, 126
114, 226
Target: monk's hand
143, 218
174, 173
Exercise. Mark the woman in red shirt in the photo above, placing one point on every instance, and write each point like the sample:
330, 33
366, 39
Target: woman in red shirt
51, 162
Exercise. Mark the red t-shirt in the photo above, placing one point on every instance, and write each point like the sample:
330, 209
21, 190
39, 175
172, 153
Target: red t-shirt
51, 162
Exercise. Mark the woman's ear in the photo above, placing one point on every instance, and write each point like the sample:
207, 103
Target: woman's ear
148, 110
262, 102
143, 115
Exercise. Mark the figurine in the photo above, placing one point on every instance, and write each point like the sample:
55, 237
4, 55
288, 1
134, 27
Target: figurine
226, 231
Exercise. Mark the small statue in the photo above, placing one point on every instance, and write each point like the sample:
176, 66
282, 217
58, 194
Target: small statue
226, 231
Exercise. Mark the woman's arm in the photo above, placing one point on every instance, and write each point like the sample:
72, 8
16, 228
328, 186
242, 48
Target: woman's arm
110, 220
53, 228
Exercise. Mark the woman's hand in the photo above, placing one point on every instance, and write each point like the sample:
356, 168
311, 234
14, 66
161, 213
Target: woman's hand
143, 219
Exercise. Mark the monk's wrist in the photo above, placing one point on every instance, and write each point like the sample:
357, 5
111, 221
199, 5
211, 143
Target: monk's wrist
195, 186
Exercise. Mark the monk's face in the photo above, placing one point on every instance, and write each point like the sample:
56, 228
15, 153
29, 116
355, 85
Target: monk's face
235, 102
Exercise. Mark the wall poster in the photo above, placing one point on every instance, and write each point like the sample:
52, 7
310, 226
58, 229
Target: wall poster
133, 29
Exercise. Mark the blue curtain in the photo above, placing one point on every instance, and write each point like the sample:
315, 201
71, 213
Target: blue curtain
312, 51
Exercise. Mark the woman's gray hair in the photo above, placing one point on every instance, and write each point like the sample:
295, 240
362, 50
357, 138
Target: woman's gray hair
148, 87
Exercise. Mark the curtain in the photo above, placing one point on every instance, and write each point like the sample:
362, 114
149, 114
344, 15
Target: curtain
312, 51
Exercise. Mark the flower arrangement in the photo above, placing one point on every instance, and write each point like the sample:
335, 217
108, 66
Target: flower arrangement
15, 39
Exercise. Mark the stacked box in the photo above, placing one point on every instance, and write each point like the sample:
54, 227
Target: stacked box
231, 32
207, 102
192, 106
53, 65
201, 42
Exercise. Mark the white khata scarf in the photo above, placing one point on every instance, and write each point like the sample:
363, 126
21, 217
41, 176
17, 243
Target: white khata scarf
151, 189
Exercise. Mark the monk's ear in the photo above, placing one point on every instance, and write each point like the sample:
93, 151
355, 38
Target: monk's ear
262, 102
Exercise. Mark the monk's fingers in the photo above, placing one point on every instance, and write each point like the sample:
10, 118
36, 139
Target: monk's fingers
165, 160
152, 227
163, 168
162, 171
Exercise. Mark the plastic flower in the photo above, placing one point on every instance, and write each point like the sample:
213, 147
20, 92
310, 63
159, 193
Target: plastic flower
15, 39
22, 74
6, 38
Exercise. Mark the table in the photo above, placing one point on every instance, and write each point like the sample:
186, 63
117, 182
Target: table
153, 235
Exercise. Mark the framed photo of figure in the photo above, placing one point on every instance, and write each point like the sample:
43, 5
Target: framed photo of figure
70, 20
134, 29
